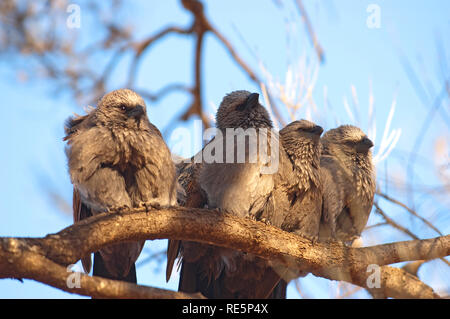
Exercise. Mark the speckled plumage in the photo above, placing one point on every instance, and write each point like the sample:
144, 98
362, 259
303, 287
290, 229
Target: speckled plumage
117, 159
189, 195
297, 194
348, 176
300, 141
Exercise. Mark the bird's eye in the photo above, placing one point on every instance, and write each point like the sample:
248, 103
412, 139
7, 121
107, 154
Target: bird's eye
123, 107
241, 106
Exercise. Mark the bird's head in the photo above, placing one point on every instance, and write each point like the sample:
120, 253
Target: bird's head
349, 139
301, 141
302, 130
242, 109
123, 107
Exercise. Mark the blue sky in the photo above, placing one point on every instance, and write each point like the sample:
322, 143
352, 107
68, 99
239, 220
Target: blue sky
32, 162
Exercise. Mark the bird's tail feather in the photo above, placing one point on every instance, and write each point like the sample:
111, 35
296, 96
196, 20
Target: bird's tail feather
279, 292
101, 271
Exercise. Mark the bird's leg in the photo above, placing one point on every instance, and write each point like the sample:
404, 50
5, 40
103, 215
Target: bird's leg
333, 231
217, 209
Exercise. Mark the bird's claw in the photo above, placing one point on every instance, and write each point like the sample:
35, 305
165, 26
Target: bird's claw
150, 205
314, 239
118, 209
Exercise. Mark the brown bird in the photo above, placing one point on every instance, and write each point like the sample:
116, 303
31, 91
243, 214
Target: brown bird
235, 187
348, 178
298, 189
117, 159
301, 142
190, 195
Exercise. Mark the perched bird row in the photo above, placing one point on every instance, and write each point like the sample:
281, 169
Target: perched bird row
322, 188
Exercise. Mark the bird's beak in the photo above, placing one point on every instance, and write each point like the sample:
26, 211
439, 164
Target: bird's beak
252, 101
136, 111
364, 145
317, 130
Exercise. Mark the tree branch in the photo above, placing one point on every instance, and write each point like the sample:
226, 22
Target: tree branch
310, 31
144, 45
17, 261
331, 260
399, 227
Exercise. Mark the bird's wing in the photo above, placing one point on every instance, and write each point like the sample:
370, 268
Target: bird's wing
252, 279
193, 197
279, 292
72, 125
80, 212
173, 248
333, 194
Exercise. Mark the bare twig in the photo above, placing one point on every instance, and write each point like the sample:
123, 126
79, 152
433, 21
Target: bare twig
310, 30
400, 227
393, 223
426, 124
141, 47
164, 91
392, 200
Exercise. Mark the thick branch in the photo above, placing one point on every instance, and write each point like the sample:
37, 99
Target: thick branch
331, 260
398, 283
19, 262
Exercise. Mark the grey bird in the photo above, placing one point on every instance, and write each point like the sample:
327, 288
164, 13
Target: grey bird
238, 188
117, 159
348, 176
